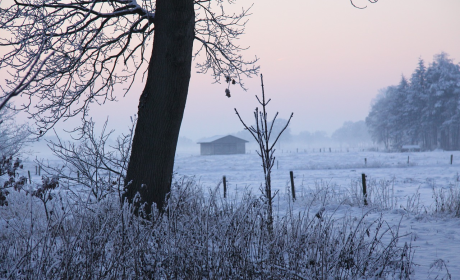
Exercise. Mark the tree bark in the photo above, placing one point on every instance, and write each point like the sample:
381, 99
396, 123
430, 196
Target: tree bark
161, 105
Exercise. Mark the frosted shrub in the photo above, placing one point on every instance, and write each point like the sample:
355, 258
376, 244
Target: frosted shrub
198, 237
380, 193
447, 200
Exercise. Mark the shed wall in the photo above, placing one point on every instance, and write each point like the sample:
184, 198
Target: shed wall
222, 148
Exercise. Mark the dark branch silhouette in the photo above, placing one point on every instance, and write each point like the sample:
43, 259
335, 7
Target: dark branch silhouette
64, 55
371, 1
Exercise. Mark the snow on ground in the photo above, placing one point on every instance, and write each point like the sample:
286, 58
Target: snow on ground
432, 237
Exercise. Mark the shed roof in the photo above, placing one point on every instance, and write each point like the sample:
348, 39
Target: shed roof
222, 139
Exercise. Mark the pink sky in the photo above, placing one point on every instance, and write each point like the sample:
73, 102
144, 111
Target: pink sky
321, 59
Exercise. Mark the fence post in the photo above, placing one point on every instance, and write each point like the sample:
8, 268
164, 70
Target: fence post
363, 176
39, 170
36, 170
224, 180
451, 159
292, 185
407, 160
276, 164
30, 181
365, 161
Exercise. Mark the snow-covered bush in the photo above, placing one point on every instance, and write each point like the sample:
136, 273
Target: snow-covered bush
200, 236
380, 193
447, 200
9, 167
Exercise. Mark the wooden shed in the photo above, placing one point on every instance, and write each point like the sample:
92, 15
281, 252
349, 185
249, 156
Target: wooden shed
226, 145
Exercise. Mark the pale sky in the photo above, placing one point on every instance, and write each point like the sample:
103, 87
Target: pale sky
324, 60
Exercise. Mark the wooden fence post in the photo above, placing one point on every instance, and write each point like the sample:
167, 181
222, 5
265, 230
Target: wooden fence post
365, 161
30, 181
407, 160
225, 186
39, 170
292, 185
451, 159
363, 177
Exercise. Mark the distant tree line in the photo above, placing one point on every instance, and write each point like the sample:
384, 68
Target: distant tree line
424, 110
350, 134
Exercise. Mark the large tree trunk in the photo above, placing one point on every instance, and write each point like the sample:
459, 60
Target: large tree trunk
162, 104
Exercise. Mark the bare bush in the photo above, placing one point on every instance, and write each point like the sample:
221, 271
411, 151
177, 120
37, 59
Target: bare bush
93, 163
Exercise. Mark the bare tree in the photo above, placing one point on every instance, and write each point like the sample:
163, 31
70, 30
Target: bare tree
64, 55
262, 133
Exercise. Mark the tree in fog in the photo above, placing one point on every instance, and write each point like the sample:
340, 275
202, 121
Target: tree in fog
443, 76
13, 136
379, 125
64, 55
317, 137
423, 110
352, 133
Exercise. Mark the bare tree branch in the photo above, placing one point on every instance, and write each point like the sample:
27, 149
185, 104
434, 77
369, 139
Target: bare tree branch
371, 1
64, 55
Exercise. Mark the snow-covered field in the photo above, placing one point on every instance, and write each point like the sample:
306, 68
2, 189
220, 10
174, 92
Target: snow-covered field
433, 236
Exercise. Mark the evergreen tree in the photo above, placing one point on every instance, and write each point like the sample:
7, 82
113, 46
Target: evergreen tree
423, 110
